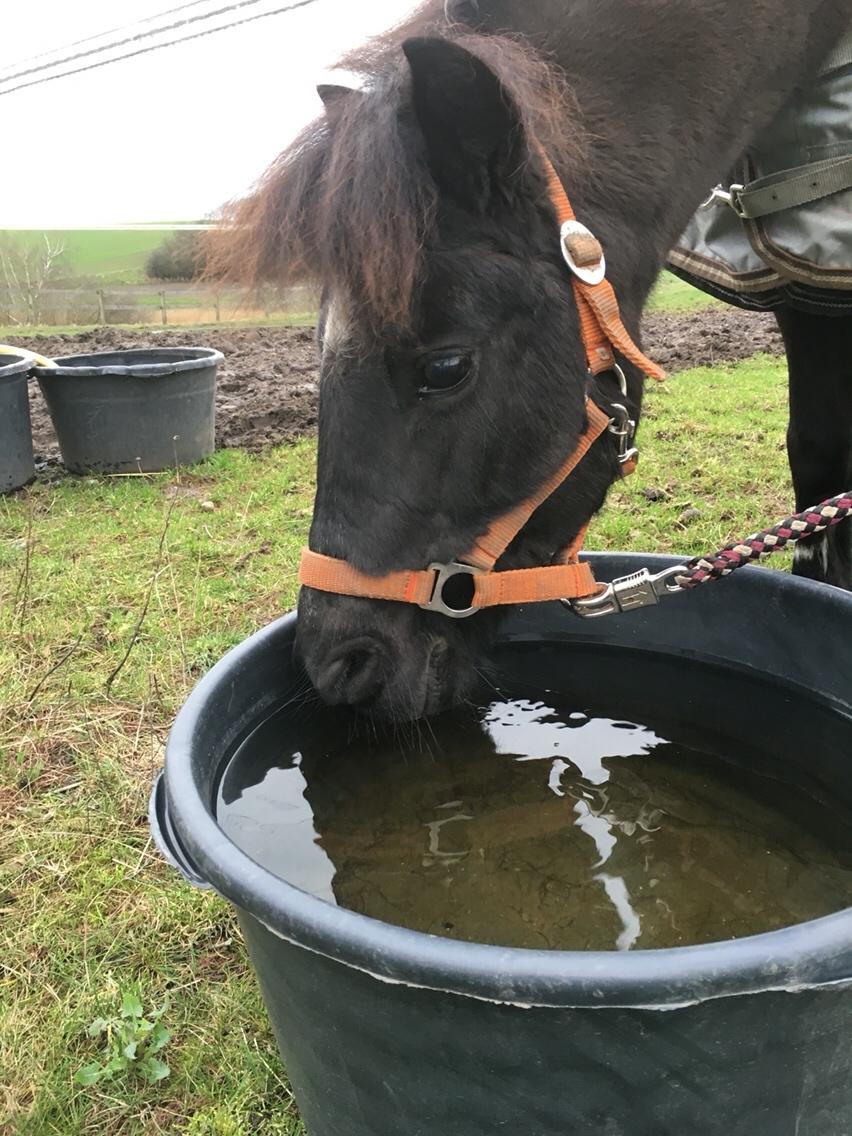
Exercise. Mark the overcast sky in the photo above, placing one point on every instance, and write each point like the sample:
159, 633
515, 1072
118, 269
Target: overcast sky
169, 135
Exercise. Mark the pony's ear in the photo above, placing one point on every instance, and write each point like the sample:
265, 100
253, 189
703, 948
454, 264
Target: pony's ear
474, 138
332, 94
336, 99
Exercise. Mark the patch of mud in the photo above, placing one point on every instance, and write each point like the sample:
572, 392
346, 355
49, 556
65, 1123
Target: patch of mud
703, 338
267, 387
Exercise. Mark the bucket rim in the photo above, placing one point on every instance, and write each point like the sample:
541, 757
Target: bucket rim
813, 954
19, 363
196, 358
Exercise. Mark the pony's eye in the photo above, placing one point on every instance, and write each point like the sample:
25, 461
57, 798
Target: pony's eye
442, 373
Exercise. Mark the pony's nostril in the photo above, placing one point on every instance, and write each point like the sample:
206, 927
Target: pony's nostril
331, 673
352, 675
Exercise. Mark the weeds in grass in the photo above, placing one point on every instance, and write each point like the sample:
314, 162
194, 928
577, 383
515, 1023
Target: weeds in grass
132, 1041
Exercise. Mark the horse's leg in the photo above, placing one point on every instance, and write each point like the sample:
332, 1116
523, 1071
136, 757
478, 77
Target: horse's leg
819, 438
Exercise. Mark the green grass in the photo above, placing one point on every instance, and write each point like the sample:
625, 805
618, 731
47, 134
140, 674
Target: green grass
671, 294
713, 439
89, 912
115, 255
110, 253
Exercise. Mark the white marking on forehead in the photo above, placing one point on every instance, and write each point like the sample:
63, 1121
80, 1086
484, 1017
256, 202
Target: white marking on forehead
336, 329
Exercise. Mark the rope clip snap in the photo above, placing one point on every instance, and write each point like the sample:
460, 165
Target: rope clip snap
623, 427
628, 593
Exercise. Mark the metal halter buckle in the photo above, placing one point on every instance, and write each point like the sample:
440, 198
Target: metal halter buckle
730, 197
623, 427
628, 593
589, 274
443, 574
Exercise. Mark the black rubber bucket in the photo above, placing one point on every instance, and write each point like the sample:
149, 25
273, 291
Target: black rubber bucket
16, 441
387, 1032
133, 411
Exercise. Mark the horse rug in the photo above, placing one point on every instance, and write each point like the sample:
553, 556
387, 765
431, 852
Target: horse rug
782, 232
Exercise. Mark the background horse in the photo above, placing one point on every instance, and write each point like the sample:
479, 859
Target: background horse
453, 379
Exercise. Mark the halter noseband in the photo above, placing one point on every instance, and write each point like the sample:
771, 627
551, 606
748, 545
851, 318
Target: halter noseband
478, 584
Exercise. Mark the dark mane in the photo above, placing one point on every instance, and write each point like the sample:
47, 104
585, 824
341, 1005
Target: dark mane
351, 202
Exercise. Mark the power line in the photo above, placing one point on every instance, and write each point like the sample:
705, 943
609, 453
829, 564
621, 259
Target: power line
130, 39
159, 46
101, 35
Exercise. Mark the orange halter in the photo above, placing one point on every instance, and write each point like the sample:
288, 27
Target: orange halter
602, 331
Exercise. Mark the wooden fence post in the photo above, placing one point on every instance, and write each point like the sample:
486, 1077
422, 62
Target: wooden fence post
163, 306
101, 310
216, 305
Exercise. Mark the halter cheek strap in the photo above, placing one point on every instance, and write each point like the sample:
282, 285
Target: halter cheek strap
467, 585
601, 326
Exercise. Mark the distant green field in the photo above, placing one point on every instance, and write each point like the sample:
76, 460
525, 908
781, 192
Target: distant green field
671, 294
117, 255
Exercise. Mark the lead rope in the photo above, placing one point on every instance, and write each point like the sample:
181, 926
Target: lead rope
642, 588
702, 569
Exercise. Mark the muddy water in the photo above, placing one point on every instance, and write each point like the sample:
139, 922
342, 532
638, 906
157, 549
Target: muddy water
544, 820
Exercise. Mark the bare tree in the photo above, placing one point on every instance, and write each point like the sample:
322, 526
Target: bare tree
27, 269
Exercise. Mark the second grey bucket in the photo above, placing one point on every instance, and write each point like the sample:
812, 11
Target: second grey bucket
136, 411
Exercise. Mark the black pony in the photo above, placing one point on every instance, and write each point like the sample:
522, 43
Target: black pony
453, 376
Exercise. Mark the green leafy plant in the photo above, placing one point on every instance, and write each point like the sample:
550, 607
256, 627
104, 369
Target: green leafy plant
26, 771
132, 1041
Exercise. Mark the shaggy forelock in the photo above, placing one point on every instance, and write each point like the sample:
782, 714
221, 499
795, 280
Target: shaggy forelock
351, 203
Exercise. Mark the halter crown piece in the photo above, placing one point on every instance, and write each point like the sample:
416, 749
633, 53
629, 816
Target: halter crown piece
603, 333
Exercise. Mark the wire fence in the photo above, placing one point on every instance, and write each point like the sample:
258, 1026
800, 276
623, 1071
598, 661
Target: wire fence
172, 305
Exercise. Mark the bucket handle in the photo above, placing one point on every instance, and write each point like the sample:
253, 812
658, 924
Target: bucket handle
166, 838
37, 360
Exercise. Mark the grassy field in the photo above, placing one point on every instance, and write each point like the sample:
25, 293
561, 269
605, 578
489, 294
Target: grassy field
672, 294
114, 255
118, 256
116, 594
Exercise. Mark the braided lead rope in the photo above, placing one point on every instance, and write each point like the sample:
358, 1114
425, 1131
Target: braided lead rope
702, 569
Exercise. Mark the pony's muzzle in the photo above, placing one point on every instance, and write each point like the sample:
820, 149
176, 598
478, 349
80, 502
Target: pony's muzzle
353, 674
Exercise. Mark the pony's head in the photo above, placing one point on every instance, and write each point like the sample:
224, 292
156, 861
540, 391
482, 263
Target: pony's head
453, 376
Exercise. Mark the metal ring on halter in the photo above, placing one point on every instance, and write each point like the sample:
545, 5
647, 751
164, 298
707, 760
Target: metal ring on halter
617, 370
443, 574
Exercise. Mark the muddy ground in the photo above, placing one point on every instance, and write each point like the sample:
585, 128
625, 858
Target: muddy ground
267, 387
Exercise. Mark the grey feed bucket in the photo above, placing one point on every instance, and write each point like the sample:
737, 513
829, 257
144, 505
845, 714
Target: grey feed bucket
388, 1032
133, 411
